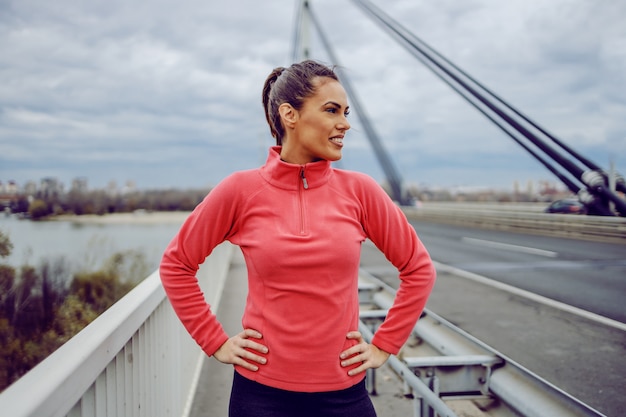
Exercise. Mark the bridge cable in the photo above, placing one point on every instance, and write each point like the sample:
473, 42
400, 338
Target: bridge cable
598, 181
594, 180
301, 47
297, 27
445, 78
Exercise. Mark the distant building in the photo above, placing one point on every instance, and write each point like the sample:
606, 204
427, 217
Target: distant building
11, 188
50, 187
30, 188
111, 189
8, 193
130, 187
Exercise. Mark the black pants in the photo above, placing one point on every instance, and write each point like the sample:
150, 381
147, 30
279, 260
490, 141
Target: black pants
251, 399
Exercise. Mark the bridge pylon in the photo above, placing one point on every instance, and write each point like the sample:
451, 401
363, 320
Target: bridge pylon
305, 19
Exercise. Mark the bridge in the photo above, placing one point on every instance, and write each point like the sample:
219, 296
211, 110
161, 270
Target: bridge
137, 360
597, 188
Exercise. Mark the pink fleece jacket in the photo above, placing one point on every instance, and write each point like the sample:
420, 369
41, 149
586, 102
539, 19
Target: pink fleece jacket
300, 229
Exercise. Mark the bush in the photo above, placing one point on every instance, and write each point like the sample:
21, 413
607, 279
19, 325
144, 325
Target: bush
5, 245
38, 209
39, 312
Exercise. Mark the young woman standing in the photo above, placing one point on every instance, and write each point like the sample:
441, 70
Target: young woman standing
300, 224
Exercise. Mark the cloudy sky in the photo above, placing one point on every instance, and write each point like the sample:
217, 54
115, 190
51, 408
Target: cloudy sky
167, 93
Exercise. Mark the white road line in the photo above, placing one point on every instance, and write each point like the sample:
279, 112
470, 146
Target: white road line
506, 246
531, 296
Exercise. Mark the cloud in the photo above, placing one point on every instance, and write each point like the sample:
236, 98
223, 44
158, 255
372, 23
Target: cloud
168, 93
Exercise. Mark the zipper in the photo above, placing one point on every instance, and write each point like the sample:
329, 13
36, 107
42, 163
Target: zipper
304, 183
305, 186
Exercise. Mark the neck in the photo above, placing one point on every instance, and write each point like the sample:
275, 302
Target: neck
290, 156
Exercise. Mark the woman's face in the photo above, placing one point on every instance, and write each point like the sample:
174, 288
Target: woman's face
319, 126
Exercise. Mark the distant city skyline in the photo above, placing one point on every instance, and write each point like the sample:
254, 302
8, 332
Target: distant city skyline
82, 183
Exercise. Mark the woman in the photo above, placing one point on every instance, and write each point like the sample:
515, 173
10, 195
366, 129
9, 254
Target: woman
300, 224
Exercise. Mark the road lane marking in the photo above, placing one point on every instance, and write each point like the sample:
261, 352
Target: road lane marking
530, 295
514, 248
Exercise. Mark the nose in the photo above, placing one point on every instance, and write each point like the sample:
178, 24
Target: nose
344, 124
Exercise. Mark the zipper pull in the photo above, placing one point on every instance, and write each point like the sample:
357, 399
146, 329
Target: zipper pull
304, 183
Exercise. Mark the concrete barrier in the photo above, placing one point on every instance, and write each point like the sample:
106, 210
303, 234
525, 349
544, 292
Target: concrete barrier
522, 218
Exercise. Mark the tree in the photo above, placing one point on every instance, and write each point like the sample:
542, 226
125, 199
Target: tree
72, 316
100, 289
6, 247
10, 346
28, 303
19, 204
54, 276
38, 209
7, 278
39, 312
7, 294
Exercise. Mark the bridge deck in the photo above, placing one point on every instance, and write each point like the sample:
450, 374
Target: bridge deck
213, 392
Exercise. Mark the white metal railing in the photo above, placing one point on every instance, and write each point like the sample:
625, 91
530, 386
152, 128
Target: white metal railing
134, 360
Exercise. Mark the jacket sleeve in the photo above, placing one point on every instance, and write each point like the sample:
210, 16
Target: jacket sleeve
387, 227
210, 224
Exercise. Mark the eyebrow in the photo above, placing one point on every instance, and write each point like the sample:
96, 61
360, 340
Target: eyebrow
332, 103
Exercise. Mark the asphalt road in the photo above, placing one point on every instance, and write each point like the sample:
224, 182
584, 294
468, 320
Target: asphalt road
578, 352
587, 275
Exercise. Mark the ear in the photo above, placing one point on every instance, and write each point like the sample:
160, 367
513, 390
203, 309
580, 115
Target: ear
288, 114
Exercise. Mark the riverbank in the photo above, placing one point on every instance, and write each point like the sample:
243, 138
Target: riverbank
138, 217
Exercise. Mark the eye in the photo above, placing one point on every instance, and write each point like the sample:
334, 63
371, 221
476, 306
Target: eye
331, 110
346, 113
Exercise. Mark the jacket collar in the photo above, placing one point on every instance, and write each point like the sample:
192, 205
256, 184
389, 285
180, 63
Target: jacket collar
289, 176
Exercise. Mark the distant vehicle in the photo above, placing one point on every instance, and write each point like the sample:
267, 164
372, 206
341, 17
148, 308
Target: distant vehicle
566, 206
414, 202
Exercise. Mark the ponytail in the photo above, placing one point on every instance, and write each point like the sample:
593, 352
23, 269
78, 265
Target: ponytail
271, 107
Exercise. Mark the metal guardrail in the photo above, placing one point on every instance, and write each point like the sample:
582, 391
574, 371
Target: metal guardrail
463, 368
523, 218
134, 360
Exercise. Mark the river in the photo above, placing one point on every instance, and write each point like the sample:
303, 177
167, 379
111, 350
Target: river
87, 241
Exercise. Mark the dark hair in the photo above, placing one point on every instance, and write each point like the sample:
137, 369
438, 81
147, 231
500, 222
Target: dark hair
290, 85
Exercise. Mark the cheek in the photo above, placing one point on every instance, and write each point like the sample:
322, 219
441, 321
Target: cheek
316, 132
